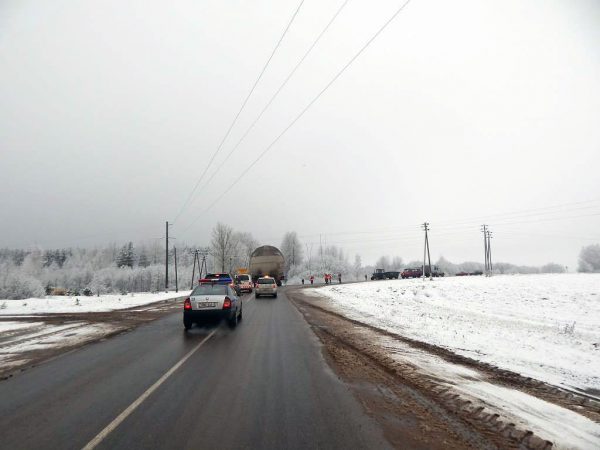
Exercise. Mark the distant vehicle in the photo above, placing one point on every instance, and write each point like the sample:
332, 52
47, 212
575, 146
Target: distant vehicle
244, 281
417, 272
381, 274
266, 286
212, 302
267, 261
412, 273
221, 278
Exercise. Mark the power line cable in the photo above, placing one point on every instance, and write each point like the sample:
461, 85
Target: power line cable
272, 99
186, 203
306, 108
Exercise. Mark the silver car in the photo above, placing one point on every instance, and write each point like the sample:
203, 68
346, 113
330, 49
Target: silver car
212, 302
266, 286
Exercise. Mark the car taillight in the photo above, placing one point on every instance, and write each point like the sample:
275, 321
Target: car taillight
227, 303
187, 304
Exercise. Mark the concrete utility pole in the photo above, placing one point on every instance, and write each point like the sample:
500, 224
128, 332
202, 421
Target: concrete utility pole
485, 248
489, 250
167, 256
426, 251
167, 224
175, 257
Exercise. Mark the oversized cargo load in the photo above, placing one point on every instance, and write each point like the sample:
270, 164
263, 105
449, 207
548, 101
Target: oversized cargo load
267, 261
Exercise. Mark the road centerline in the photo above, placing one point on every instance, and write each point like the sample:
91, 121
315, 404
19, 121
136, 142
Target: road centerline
131, 408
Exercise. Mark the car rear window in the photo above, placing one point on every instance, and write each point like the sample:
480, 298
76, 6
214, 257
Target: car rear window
243, 277
266, 281
210, 289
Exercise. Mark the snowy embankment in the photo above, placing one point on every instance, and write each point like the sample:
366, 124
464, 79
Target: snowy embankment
82, 304
542, 326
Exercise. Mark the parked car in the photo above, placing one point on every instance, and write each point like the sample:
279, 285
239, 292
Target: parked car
417, 272
212, 302
266, 286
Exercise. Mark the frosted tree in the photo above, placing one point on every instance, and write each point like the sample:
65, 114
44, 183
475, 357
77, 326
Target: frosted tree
383, 263
222, 245
552, 268
589, 259
357, 268
292, 250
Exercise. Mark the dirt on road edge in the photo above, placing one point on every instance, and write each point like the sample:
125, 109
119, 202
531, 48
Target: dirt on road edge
403, 400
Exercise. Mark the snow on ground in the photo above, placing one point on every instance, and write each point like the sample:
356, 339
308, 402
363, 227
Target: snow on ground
542, 326
10, 327
565, 428
82, 304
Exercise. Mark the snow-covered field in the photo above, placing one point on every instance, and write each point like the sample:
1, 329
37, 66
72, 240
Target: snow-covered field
81, 304
542, 326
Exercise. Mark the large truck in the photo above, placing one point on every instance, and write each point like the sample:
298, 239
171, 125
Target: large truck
267, 261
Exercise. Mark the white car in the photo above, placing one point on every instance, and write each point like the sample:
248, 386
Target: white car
212, 302
244, 281
266, 286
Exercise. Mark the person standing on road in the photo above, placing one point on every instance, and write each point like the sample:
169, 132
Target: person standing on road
339, 278
365, 278
303, 281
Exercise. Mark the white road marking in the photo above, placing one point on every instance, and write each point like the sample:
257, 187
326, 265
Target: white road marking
121, 417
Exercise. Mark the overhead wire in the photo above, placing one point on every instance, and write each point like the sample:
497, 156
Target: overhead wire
234, 121
274, 96
304, 110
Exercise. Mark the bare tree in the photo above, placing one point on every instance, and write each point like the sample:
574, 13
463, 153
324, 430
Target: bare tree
222, 245
246, 244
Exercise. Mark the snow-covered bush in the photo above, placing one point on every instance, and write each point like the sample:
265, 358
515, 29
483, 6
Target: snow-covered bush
15, 286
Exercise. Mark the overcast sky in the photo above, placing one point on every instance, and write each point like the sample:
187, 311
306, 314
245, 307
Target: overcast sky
459, 113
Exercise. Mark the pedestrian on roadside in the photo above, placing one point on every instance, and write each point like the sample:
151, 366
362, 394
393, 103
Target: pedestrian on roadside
365, 278
312, 279
302, 281
339, 278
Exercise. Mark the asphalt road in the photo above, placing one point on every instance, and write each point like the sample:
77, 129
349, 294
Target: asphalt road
263, 385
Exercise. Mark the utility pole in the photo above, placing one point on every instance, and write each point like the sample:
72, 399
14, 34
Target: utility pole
485, 248
489, 250
426, 251
167, 255
175, 257
194, 268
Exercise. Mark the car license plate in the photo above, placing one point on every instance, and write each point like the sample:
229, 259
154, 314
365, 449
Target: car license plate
207, 305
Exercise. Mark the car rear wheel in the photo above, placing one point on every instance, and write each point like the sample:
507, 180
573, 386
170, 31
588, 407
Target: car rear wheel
274, 295
241, 314
233, 321
187, 323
